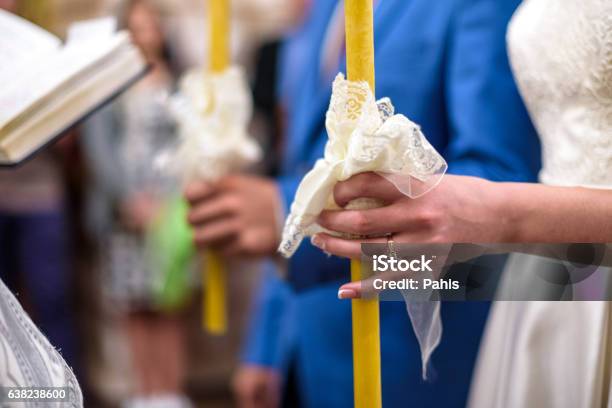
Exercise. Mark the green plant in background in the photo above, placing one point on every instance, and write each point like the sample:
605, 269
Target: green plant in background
171, 253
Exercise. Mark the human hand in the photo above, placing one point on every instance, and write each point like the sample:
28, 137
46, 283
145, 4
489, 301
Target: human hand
257, 387
459, 209
236, 216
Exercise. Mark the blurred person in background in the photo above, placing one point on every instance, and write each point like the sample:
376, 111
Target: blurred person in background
127, 194
254, 22
35, 240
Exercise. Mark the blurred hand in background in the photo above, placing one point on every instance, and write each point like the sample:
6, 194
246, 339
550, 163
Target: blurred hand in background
257, 387
238, 216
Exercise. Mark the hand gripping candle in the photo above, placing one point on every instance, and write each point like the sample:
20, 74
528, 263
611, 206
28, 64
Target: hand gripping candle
364, 136
212, 109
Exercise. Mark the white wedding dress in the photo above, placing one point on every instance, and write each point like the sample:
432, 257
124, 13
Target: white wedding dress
557, 354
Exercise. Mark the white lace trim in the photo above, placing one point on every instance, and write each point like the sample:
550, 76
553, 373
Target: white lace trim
364, 135
212, 112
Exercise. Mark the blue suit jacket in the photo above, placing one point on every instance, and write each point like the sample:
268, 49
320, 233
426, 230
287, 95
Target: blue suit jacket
445, 67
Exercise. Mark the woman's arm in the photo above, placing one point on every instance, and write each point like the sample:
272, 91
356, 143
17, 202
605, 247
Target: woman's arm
467, 209
540, 213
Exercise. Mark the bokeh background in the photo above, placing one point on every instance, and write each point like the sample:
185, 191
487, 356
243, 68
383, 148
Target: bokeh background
65, 282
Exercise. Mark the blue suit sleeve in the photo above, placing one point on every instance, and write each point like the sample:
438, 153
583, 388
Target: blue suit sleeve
287, 186
490, 132
270, 334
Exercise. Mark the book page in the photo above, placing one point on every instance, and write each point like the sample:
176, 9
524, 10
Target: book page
30, 86
89, 90
20, 42
91, 30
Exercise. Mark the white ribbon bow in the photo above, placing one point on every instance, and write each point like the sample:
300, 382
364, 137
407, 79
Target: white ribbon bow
212, 112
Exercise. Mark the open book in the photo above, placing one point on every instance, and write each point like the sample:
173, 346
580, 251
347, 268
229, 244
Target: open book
47, 86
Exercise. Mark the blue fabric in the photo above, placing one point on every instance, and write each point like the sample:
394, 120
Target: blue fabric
271, 332
446, 68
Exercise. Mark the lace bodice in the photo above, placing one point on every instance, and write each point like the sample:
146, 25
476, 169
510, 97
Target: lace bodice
561, 55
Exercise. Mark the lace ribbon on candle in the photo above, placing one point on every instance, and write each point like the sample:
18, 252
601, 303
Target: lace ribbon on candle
364, 136
212, 112
427, 326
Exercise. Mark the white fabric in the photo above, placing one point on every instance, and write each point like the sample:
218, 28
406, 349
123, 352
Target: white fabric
364, 136
427, 325
212, 112
561, 53
557, 354
27, 359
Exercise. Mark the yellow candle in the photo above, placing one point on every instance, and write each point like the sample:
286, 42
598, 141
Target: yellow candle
214, 274
215, 307
359, 20
366, 347
219, 45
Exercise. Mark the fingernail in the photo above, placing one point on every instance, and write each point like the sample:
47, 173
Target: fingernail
317, 241
346, 294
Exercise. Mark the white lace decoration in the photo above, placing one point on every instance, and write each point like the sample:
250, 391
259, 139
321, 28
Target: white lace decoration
212, 112
364, 136
566, 82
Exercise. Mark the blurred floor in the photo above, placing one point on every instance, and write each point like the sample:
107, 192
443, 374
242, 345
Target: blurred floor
211, 360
